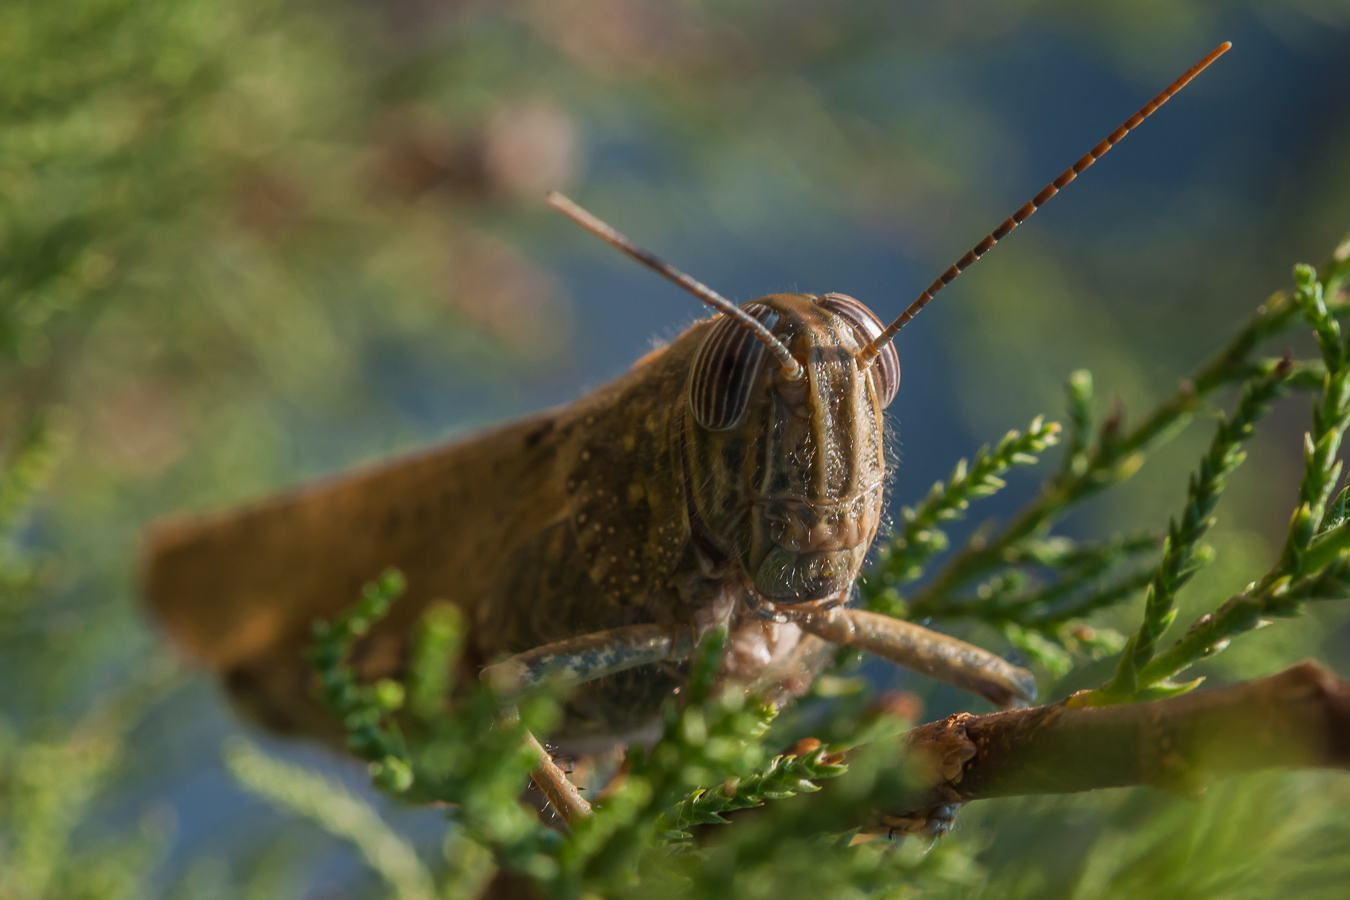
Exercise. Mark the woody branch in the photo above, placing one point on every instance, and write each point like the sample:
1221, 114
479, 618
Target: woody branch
1297, 718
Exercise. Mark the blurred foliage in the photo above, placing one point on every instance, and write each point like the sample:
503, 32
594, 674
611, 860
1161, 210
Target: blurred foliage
243, 243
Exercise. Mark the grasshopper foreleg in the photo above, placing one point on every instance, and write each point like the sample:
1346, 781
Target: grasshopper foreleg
562, 794
590, 656
915, 647
576, 661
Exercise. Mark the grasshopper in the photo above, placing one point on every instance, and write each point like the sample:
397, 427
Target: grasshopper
734, 478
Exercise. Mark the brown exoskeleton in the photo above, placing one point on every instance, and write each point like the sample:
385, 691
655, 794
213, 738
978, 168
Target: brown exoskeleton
733, 478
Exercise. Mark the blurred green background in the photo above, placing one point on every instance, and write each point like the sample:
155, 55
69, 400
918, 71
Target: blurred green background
246, 243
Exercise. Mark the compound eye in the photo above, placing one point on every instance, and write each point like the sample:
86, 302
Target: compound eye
724, 370
886, 369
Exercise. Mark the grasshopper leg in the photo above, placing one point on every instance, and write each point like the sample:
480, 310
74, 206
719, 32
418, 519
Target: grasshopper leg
576, 661
915, 647
561, 793
590, 656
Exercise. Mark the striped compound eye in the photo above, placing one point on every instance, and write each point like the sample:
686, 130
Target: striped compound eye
724, 370
886, 368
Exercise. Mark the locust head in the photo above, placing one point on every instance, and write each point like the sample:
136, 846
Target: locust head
782, 433
787, 466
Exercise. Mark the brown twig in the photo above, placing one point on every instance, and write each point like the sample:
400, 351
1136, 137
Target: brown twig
1297, 718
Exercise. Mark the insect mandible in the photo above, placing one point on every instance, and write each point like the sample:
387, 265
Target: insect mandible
732, 478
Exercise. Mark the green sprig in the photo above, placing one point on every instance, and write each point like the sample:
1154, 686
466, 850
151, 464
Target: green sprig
1046, 614
783, 777
364, 710
1321, 445
1079, 395
1001, 599
1115, 455
903, 555
465, 753
1312, 563
713, 736
1063, 554
1180, 559
1212, 632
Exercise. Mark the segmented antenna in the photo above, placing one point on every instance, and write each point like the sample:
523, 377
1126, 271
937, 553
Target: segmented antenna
869, 353
791, 367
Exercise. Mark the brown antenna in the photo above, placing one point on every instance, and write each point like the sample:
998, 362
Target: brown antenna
791, 367
870, 352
